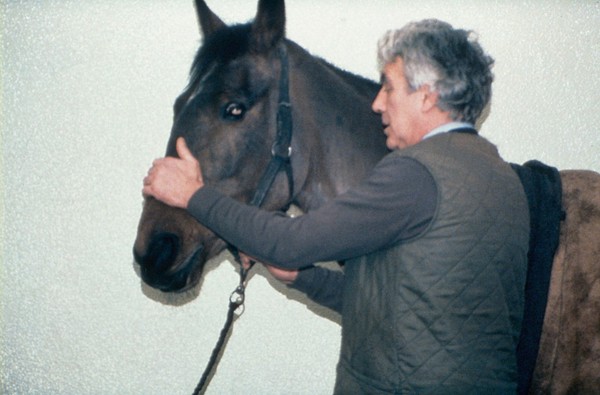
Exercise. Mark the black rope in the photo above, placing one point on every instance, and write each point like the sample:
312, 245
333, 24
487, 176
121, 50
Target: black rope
236, 300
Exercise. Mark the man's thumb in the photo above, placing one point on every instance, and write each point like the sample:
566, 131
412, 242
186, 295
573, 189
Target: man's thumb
183, 150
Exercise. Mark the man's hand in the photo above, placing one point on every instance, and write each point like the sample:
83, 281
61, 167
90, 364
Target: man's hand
285, 276
173, 181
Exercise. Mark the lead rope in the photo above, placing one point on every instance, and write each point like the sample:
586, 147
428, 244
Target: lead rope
236, 300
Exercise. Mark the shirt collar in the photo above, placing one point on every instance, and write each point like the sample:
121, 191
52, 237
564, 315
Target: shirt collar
448, 127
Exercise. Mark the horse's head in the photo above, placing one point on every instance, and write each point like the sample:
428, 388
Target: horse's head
227, 115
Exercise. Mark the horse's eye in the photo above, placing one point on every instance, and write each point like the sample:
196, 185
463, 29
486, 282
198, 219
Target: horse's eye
233, 111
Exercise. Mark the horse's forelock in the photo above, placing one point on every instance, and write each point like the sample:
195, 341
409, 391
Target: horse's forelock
221, 47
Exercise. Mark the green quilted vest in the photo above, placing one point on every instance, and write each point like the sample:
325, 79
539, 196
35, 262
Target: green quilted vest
441, 313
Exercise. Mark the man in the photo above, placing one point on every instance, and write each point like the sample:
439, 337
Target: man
434, 241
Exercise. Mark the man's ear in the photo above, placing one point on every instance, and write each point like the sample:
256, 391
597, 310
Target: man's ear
430, 98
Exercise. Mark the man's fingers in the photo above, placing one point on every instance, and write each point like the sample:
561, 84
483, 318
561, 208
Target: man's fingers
183, 150
245, 260
174, 180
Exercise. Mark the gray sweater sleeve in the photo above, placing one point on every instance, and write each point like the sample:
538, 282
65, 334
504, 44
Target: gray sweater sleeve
322, 286
396, 202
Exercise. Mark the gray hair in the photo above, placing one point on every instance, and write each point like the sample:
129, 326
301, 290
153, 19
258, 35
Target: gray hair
449, 60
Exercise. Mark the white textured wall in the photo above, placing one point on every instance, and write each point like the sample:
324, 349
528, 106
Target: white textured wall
87, 89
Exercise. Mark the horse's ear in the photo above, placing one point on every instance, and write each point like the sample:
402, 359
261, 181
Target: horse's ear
268, 27
209, 22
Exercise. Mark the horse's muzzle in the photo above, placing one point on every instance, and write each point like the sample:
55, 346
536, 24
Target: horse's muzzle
161, 267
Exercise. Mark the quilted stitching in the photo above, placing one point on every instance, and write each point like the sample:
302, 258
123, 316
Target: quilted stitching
433, 338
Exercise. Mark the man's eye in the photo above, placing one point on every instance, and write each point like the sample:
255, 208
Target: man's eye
233, 111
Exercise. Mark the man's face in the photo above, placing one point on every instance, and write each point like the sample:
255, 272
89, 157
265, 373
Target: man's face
399, 106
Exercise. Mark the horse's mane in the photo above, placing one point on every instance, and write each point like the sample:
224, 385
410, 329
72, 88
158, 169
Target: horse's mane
348, 76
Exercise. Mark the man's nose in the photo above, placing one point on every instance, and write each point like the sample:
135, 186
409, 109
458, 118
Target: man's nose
377, 105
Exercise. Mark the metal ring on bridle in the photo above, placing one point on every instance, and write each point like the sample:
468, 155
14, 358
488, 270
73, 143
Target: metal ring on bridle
237, 297
276, 151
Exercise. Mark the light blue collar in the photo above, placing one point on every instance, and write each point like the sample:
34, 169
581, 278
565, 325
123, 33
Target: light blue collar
448, 127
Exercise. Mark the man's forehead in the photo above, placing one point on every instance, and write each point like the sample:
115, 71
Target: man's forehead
392, 70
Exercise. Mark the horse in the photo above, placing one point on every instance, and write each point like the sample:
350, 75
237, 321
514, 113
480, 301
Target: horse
229, 115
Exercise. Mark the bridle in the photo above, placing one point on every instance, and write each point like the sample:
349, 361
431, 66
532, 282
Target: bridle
281, 149
281, 152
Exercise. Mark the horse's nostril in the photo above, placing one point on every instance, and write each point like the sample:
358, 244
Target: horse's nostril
162, 252
160, 267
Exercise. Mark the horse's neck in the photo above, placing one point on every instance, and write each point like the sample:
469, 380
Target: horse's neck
338, 138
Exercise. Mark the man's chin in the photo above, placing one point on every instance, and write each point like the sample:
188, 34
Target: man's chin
391, 144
